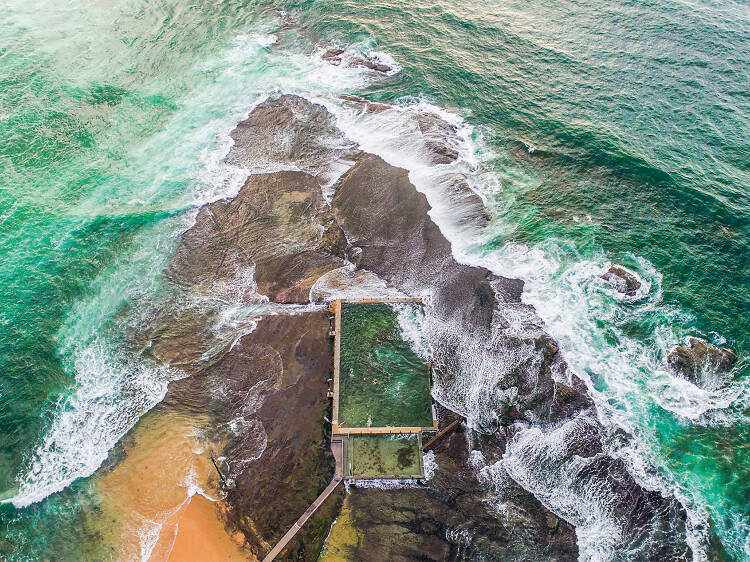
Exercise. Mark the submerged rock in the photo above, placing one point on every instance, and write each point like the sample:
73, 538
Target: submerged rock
622, 280
697, 356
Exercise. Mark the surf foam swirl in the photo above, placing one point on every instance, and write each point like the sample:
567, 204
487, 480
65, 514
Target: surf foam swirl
626, 376
111, 392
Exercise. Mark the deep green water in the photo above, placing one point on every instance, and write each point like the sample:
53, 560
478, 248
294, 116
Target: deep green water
113, 120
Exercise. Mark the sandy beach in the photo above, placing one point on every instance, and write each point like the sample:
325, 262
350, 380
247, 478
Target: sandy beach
156, 500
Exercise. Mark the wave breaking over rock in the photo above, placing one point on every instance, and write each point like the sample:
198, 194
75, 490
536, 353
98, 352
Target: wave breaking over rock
330, 217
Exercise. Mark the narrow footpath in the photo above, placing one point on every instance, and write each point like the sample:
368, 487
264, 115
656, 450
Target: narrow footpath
337, 447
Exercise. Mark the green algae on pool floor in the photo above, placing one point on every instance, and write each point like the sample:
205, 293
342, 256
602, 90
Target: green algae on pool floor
384, 456
383, 381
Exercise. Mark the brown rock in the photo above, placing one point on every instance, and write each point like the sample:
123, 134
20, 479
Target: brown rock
440, 153
290, 131
697, 356
336, 56
371, 64
278, 227
622, 280
177, 340
272, 382
268, 396
468, 203
382, 213
333, 54
370, 106
430, 124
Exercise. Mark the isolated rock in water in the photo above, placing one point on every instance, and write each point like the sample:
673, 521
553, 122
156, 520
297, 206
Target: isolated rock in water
333, 55
338, 56
697, 356
371, 64
370, 106
622, 280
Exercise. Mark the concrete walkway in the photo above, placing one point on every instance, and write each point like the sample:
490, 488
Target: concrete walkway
337, 447
442, 434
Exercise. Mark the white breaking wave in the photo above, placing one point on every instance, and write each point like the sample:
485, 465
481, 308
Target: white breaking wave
410, 323
385, 484
110, 397
112, 392
625, 376
430, 464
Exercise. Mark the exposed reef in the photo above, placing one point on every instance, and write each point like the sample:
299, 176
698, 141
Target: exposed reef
337, 56
353, 219
622, 280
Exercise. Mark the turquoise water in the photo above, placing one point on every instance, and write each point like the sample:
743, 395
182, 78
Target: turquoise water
114, 119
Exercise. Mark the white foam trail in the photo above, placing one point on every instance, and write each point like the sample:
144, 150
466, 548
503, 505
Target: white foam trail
148, 533
111, 392
470, 380
430, 464
386, 484
625, 376
110, 397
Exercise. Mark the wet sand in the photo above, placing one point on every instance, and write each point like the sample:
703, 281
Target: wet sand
196, 532
151, 501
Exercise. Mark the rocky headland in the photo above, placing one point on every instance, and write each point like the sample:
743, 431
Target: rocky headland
326, 217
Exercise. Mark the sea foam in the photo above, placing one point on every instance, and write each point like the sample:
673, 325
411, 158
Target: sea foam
567, 292
111, 390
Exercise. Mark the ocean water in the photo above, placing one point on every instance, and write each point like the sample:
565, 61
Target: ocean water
596, 133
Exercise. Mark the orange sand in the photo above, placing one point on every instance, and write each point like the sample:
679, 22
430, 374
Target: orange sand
195, 532
147, 501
